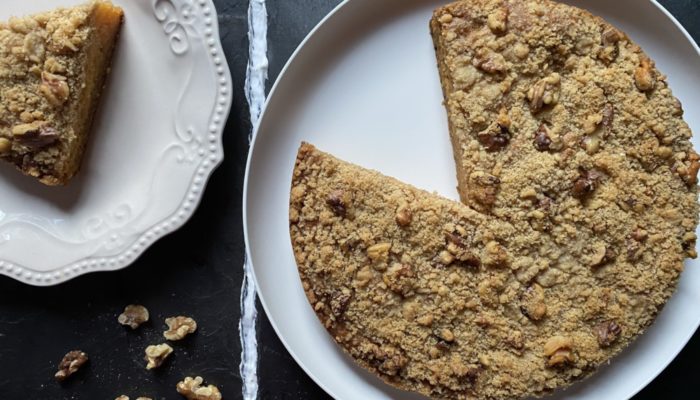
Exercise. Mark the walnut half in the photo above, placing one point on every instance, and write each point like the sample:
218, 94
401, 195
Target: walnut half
133, 316
70, 364
192, 389
157, 354
179, 327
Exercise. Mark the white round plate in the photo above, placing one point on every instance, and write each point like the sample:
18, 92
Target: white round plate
156, 140
364, 86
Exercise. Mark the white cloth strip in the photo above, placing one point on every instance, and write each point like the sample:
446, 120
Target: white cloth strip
256, 76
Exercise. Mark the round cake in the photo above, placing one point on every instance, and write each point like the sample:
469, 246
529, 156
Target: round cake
579, 189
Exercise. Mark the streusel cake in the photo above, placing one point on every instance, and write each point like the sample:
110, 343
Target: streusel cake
52, 70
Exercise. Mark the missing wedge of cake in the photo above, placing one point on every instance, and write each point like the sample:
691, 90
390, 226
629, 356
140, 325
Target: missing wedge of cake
53, 68
437, 298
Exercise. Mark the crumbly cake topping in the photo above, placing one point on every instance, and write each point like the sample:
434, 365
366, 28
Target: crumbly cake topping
560, 122
437, 298
580, 183
39, 78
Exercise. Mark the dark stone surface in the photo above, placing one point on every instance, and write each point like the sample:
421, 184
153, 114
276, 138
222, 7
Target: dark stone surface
197, 271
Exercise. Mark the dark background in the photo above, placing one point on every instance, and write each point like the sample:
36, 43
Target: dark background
197, 271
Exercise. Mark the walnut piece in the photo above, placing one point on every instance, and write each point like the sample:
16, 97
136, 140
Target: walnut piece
542, 139
689, 174
70, 364
544, 92
495, 137
490, 62
608, 332
192, 389
388, 359
338, 201
532, 303
586, 183
609, 49
379, 252
35, 135
644, 76
558, 350
457, 248
483, 188
607, 117
133, 316
404, 217
399, 278
179, 327
340, 299
157, 354
689, 239
54, 88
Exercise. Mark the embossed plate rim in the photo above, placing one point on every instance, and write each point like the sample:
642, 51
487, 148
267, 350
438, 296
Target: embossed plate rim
211, 158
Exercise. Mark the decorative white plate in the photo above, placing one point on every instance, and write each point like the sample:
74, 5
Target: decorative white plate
364, 86
155, 142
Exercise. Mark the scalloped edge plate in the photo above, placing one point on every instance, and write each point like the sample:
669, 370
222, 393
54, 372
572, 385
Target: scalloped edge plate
164, 111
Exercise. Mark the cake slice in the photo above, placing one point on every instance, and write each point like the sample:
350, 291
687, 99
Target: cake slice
52, 70
437, 298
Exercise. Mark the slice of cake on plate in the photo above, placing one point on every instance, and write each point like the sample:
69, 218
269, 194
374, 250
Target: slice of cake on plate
53, 67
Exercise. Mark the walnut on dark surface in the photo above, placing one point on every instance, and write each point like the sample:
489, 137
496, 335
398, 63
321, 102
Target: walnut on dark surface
179, 327
192, 389
124, 397
157, 354
70, 364
133, 316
